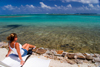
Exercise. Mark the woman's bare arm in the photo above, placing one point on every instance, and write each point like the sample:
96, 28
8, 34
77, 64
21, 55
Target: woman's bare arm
19, 54
18, 50
9, 51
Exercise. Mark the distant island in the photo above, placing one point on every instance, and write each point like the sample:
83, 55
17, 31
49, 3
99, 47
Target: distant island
52, 14
87, 13
78, 14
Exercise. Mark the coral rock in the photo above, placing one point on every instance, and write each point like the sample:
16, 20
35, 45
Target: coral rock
40, 51
80, 56
96, 60
93, 55
34, 50
48, 52
70, 55
59, 51
64, 54
88, 56
97, 55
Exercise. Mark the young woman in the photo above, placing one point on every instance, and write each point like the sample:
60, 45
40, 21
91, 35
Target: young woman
18, 49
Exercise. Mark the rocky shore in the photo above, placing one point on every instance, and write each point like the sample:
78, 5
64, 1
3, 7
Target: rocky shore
59, 58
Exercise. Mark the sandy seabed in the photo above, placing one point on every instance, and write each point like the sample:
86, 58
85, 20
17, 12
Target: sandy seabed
67, 38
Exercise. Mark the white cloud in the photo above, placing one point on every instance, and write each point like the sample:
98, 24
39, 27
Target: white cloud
82, 1
55, 5
89, 8
70, 6
44, 6
56, 8
9, 7
91, 5
98, 6
85, 7
26, 7
30, 6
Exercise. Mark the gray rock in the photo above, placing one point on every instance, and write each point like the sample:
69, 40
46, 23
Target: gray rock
93, 55
96, 59
79, 56
53, 52
48, 52
88, 56
97, 55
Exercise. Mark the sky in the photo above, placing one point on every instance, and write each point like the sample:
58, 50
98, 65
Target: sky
49, 6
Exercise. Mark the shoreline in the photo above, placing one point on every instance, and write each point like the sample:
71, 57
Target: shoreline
59, 58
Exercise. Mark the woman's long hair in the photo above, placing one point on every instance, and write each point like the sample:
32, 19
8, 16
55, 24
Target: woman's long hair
11, 37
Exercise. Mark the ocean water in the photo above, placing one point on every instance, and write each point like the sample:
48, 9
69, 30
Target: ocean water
71, 33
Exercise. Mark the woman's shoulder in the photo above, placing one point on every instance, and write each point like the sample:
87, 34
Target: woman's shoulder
16, 43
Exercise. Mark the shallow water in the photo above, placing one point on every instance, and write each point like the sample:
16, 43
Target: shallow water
72, 33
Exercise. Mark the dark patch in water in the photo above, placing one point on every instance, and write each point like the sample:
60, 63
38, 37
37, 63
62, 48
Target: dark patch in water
72, 48
11, 27
65, 45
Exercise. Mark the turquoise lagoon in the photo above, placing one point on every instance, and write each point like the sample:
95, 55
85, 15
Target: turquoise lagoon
71, 33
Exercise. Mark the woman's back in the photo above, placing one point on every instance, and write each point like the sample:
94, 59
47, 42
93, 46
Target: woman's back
13, 47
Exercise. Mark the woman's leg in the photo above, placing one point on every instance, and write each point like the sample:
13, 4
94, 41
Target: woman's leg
27, 46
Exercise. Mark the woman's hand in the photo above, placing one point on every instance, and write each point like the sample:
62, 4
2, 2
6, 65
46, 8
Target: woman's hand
22, 62
7, 55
